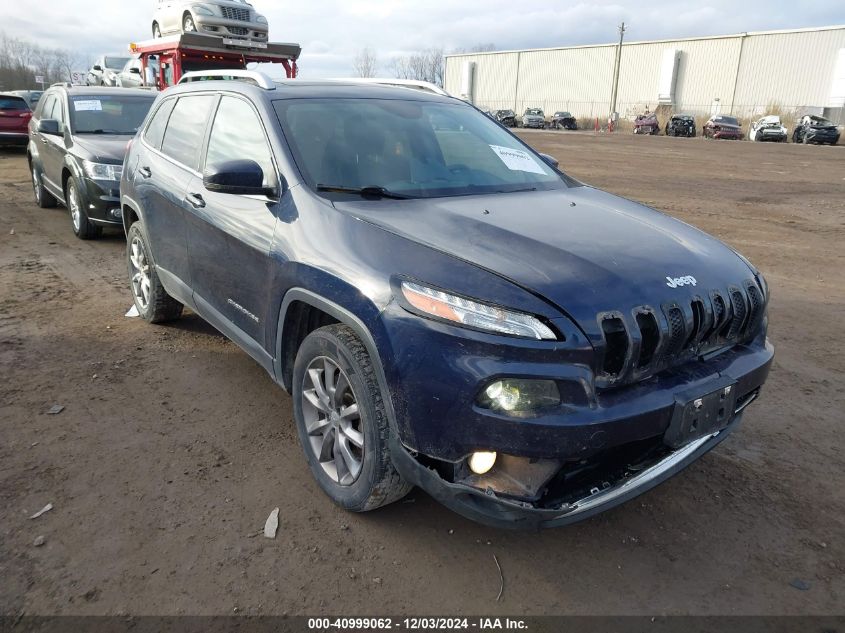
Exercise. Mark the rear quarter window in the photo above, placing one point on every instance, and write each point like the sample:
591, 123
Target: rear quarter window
186, 129
154, 133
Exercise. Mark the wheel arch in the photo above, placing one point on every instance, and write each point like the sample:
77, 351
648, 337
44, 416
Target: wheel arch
298, 311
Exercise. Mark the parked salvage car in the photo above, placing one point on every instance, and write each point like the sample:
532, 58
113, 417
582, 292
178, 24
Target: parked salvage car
720, 126
533, 117
105, 70
646, 124
563, 120
505, 117
77, 141
585, 350
15, 114
31, 96
815, 129
234, 20
768, 128
132, 75
680, 125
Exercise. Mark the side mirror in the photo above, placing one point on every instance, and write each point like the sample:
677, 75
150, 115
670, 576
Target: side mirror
137, 71
50, 127
98, 67
237, 177
551, 160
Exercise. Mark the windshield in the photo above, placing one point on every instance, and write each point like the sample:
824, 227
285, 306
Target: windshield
505, 113
818, 120
116, 62
534, 111
726, 119
108, 114
411, 148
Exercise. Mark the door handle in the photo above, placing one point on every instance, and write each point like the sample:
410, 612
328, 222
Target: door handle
195, 200
145, 172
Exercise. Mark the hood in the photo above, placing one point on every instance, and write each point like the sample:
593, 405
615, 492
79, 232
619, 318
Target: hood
103, 148
585, 250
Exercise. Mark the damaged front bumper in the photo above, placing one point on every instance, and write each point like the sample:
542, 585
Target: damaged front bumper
490, 509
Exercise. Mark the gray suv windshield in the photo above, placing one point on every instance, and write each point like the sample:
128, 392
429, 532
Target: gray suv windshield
412, 148
108, 114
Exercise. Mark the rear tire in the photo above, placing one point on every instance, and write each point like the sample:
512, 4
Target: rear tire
43, 198
348, 453
151, 299
156, 31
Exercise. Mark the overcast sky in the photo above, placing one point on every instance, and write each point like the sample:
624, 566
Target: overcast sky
331, 31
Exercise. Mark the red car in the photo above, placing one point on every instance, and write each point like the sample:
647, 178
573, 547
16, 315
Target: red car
14, 120
723, 127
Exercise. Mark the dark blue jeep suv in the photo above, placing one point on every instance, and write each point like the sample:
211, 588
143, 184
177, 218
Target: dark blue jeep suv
446, 308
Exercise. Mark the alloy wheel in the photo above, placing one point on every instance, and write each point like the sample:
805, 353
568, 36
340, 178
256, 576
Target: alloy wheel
140, 273
332, 420
75, 207
188, 24
36, 184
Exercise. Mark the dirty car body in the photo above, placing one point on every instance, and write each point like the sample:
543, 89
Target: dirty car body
646, 124
533, 118
724, 127
681, 125
505, 117
816, 129
563, 120
586, 346
768, 128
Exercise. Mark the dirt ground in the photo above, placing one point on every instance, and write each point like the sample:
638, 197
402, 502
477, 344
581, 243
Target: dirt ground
173, 446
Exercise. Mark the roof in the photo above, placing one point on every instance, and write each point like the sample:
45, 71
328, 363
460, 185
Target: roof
100, 91
664, 41
315, 89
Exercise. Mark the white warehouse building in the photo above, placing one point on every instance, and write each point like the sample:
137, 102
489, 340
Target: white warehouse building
799, 71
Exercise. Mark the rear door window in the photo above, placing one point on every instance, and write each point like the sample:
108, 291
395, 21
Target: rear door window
186, 129
13, 103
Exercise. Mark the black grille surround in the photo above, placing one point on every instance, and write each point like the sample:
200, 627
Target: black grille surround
650, 340
233, 13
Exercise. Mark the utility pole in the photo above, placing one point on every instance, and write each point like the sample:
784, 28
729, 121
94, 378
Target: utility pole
616, 74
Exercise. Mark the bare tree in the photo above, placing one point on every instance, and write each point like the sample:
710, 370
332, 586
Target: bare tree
478, 48
365, 63
21, 61
427, 65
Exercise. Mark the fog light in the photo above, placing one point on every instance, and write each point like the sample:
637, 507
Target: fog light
516, 395
481, 462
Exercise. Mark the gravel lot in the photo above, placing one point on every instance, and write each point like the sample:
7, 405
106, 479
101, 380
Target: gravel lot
173, 446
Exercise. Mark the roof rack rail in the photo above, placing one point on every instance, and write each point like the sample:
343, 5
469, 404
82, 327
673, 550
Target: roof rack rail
232, 74
414, 84
63, 84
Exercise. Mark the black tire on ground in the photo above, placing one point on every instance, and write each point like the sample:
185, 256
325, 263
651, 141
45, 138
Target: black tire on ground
83, 228
188, 24
43, 198
378, 483
161, 306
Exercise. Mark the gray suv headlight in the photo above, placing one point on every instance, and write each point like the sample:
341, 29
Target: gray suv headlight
102, 171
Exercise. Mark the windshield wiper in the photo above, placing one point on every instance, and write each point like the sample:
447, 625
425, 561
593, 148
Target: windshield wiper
366, 192
517, 190
115, 132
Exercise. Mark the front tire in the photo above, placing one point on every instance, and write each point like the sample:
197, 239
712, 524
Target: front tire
83, 228
151, 299
188, 24
342, 422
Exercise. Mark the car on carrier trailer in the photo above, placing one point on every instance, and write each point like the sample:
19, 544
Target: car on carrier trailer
446, 308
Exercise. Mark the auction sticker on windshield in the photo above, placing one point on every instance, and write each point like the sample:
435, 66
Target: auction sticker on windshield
87, 105
517, 160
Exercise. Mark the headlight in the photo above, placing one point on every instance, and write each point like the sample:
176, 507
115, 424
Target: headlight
201, 9
101, 171
261, 19
473, 313
515, 395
